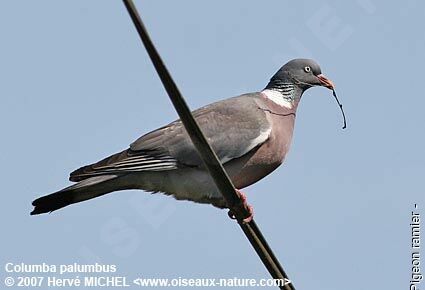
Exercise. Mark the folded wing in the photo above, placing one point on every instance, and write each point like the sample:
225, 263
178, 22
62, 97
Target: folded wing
233, 127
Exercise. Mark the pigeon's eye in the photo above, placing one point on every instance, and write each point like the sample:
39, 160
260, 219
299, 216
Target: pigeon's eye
307, 69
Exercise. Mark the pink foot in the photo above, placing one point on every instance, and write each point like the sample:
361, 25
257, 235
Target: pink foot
248, 207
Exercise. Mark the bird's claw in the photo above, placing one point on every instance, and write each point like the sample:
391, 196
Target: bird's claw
248, 207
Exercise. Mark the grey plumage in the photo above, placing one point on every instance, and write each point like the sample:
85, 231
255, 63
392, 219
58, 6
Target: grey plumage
170, 147
250, 134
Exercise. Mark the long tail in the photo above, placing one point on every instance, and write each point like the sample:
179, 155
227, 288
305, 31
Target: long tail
83, 190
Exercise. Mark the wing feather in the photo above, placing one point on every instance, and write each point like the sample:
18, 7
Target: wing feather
233, 127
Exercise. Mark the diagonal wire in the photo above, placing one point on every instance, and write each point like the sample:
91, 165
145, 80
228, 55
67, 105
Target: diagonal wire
209, 158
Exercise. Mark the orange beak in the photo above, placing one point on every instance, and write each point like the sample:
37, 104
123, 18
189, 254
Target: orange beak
326, 82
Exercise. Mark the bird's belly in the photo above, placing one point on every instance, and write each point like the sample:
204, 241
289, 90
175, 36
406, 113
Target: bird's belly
183, 184
197, 185
255, 166
251, 174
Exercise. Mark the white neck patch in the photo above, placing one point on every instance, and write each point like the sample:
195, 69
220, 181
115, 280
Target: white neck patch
278, 98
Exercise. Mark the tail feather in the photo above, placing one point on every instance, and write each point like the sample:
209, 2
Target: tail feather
83, 190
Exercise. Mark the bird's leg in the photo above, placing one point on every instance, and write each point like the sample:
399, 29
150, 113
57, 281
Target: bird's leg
248, 207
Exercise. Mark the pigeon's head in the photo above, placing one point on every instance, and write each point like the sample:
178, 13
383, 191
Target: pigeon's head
304, 73
291, 80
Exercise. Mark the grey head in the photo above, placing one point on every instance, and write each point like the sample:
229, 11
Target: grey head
299, 74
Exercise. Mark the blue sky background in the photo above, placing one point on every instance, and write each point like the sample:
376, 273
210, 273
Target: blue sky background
76, 85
